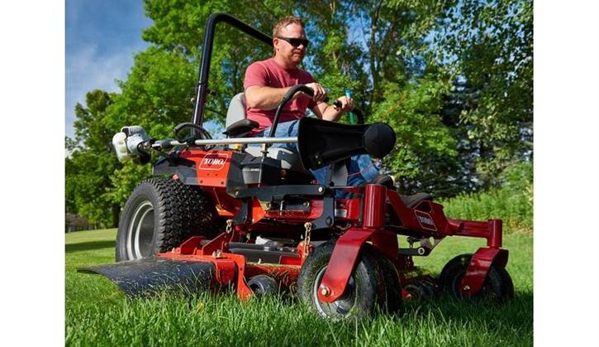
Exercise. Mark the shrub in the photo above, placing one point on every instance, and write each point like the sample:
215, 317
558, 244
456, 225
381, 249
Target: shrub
512, 202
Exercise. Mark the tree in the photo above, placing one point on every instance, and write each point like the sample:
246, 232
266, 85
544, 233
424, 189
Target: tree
489, 44
91, 163
425, 156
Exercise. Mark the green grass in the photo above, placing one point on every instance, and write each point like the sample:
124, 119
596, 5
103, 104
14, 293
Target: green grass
97, 314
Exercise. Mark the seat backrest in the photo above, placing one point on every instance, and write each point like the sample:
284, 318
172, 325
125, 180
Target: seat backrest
236, 109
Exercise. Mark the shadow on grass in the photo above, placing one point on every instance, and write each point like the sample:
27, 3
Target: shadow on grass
516, 314
87, 246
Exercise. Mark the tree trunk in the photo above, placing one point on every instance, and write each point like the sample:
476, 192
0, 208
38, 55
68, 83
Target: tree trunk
116, 210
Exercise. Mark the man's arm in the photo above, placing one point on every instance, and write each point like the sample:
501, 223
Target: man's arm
332, 113
268, 98
264, 98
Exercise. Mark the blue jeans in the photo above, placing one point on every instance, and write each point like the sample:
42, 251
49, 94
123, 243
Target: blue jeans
361, 169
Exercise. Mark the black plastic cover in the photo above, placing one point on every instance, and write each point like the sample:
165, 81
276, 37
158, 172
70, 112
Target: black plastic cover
241, 128
321, 143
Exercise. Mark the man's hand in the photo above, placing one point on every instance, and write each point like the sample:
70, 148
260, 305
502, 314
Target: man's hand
333, 112
319, 93
344, 104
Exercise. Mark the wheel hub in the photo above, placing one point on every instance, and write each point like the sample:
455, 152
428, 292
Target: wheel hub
141, 231
340, 307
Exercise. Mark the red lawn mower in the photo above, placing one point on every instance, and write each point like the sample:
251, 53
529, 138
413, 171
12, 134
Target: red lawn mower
241, 214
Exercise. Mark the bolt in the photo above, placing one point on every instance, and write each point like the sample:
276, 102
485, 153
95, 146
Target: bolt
325, 291
320, 189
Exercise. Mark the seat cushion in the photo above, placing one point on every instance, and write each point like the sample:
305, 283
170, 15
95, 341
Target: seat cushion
412, 200
236, 110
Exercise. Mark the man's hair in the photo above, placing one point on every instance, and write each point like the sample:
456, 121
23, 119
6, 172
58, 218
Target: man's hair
285, 21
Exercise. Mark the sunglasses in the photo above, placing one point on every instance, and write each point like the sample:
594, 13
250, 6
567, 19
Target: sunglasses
295, 42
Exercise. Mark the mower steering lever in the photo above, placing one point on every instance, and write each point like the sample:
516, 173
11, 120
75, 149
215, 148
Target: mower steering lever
197, 133
288, 96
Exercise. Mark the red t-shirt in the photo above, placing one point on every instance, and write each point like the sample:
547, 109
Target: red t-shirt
268, 73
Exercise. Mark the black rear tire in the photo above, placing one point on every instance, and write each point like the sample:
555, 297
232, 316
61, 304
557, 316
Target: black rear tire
161, 214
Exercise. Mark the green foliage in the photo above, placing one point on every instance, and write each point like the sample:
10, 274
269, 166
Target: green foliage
513, 203
490, 44
179, 26
157, 94
425, 149
91, 163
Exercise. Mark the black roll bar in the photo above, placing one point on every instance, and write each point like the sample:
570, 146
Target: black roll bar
202, 87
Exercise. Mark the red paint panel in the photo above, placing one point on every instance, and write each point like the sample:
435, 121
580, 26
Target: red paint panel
374, 206
479, 266
212, 166
342, 262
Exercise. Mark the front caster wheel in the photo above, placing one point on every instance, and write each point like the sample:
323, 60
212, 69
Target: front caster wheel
361, 293
498, 285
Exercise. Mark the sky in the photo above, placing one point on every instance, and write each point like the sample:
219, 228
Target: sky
101, 38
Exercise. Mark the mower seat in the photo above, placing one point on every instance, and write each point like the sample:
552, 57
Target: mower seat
412, 200
237, 125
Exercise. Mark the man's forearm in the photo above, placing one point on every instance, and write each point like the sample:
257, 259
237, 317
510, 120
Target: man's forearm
332, 113
264, 98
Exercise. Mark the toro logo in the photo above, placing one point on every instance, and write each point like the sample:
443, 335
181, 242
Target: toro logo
425, 220
213, 162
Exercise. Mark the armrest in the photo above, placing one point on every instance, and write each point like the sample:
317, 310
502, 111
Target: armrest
240, 128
